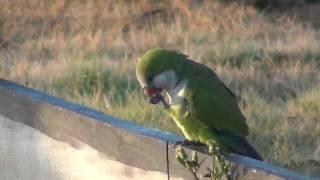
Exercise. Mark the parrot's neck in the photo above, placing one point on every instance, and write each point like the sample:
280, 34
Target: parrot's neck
176, 93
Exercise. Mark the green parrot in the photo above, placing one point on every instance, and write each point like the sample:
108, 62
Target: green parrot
199, 103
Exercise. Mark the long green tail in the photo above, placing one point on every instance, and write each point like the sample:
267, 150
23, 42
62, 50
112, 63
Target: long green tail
236, 144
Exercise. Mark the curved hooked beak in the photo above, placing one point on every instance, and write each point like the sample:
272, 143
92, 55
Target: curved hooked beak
154, 94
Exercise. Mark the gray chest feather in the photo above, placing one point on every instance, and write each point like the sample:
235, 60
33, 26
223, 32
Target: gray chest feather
177, 99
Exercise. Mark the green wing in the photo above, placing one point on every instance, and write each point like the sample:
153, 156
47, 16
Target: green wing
210, 102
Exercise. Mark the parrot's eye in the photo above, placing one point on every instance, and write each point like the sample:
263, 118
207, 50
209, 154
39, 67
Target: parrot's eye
150, 79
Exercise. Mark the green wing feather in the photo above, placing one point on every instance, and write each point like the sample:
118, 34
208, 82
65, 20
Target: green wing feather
214, 105
209, 102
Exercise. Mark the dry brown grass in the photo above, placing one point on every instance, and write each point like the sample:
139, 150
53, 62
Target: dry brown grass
86, 51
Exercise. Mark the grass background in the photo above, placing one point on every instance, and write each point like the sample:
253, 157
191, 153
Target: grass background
85, 51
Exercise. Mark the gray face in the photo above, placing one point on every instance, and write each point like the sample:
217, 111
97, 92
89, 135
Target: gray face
165, 80
153, 87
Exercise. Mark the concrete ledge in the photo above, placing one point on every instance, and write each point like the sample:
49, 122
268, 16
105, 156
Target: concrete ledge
119, 140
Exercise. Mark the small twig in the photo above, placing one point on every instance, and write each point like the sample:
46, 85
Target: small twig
182, 158
213, 166
193, 171
167, 158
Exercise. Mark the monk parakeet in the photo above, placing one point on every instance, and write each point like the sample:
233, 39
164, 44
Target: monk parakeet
199, 103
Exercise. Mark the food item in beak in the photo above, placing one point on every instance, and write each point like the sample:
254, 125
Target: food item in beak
153, 94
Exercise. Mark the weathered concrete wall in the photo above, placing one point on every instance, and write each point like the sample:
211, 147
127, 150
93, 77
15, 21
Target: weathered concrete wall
138, 150
28, 154
114, 138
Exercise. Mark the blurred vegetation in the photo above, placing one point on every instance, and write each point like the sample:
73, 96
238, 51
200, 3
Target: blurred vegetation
85, 51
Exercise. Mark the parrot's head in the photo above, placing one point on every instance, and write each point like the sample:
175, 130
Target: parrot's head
158, 70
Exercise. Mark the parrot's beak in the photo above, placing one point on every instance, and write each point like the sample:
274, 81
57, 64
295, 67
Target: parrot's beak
153, 94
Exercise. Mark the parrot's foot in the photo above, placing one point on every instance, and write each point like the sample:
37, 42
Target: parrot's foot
188, 143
